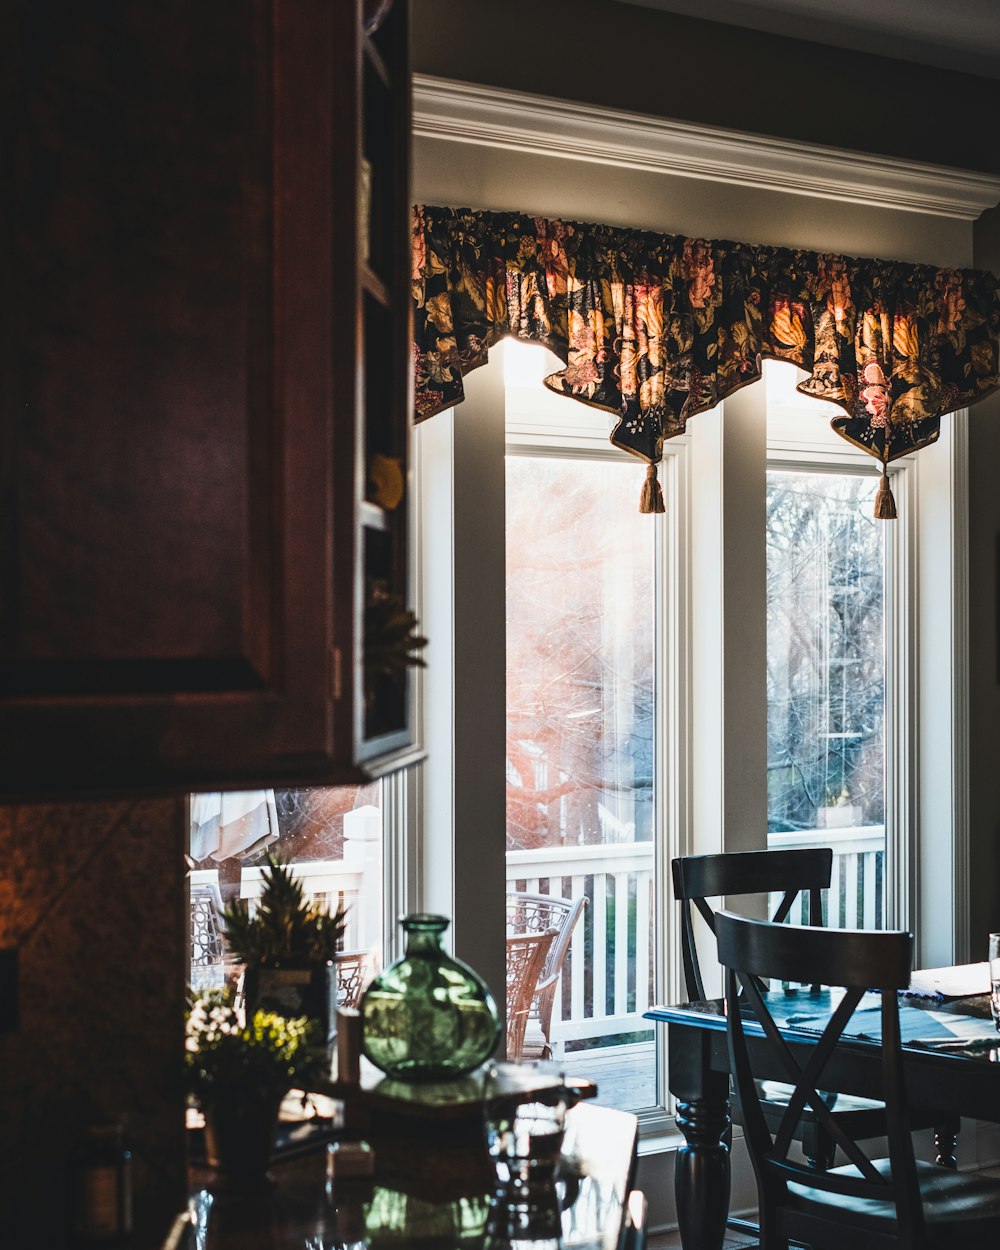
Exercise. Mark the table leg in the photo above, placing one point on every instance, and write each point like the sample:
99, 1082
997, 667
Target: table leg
701, 1172
945, 1145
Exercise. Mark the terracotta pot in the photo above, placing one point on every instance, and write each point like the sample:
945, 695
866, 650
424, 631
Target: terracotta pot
239, 1136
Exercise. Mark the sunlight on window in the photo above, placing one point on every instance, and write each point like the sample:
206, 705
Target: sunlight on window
781, 378
580, 750
525, 366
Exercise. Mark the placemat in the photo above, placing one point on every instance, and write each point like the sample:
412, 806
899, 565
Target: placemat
935, 1030
961, 981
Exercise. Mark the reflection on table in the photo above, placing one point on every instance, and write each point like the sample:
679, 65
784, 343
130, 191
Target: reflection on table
430, 1189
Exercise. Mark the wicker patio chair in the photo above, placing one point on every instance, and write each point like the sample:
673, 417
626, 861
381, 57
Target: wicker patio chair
353, 974
526, 955
538, 913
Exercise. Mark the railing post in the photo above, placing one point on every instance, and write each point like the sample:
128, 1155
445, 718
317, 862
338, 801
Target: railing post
363, 850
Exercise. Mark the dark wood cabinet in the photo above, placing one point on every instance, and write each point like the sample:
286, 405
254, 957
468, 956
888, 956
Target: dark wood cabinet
205, 357
384, 712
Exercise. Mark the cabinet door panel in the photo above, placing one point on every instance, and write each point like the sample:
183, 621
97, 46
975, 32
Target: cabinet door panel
168, 459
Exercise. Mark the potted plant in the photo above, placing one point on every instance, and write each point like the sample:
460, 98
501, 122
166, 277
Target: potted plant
391, 643
288, 946
239, 1069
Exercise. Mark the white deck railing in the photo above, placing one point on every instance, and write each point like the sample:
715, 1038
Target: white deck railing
354, 882
330, 883
856, 896
606, 991
609, 983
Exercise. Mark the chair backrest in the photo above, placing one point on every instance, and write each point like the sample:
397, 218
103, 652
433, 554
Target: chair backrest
352, 969
538, 913
208, 945
754, 951
526, 955
698, 878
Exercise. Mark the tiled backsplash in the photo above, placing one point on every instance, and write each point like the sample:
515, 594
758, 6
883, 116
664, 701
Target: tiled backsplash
93, 896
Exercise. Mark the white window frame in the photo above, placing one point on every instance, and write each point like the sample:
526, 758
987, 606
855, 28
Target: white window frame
899, 656
477, 459
710, 768
928, 646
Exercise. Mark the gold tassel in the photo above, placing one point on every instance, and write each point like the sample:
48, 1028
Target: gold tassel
885, 505
651, 499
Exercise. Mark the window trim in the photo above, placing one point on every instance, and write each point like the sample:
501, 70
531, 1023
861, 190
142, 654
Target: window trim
928, 545
899, 651
942, 780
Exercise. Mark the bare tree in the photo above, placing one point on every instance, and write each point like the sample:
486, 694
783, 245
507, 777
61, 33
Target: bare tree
579, 657
825, 667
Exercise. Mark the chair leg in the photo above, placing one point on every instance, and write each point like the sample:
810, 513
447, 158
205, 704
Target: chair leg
772, 1231
736, 1225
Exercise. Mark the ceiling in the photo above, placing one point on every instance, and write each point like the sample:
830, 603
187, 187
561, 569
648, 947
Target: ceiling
952, 34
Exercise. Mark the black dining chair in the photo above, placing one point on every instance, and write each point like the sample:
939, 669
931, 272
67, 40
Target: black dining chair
870, 1203
698, 878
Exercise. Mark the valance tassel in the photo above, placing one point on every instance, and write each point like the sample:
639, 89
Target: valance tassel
885, 505
651, 499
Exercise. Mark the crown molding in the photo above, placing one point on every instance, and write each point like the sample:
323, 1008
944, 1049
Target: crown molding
517, 121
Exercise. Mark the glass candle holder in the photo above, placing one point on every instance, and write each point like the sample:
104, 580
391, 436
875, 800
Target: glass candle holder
524, 1108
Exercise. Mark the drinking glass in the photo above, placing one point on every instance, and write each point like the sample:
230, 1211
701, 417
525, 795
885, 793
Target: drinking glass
525, 1119
994, 958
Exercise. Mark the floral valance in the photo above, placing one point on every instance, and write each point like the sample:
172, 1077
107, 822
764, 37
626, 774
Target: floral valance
656, 328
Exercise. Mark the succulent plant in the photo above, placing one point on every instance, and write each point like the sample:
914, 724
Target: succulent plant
286, 927
391, 640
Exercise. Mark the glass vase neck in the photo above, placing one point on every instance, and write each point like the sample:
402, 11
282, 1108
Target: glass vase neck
423, 932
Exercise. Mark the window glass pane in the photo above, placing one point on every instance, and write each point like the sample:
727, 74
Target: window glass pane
331, 836
580, 760
826, 683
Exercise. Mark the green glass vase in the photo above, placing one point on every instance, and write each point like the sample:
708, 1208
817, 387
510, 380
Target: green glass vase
428, 1017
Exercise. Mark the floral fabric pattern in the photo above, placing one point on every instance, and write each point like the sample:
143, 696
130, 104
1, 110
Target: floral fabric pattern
656, 328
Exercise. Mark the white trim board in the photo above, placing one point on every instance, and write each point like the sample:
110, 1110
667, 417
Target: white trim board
518, 121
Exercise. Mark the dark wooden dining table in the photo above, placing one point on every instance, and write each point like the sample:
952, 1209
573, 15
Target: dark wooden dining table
951, 1060
432, 1187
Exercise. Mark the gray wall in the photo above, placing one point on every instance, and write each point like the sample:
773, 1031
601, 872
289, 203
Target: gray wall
625, 57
